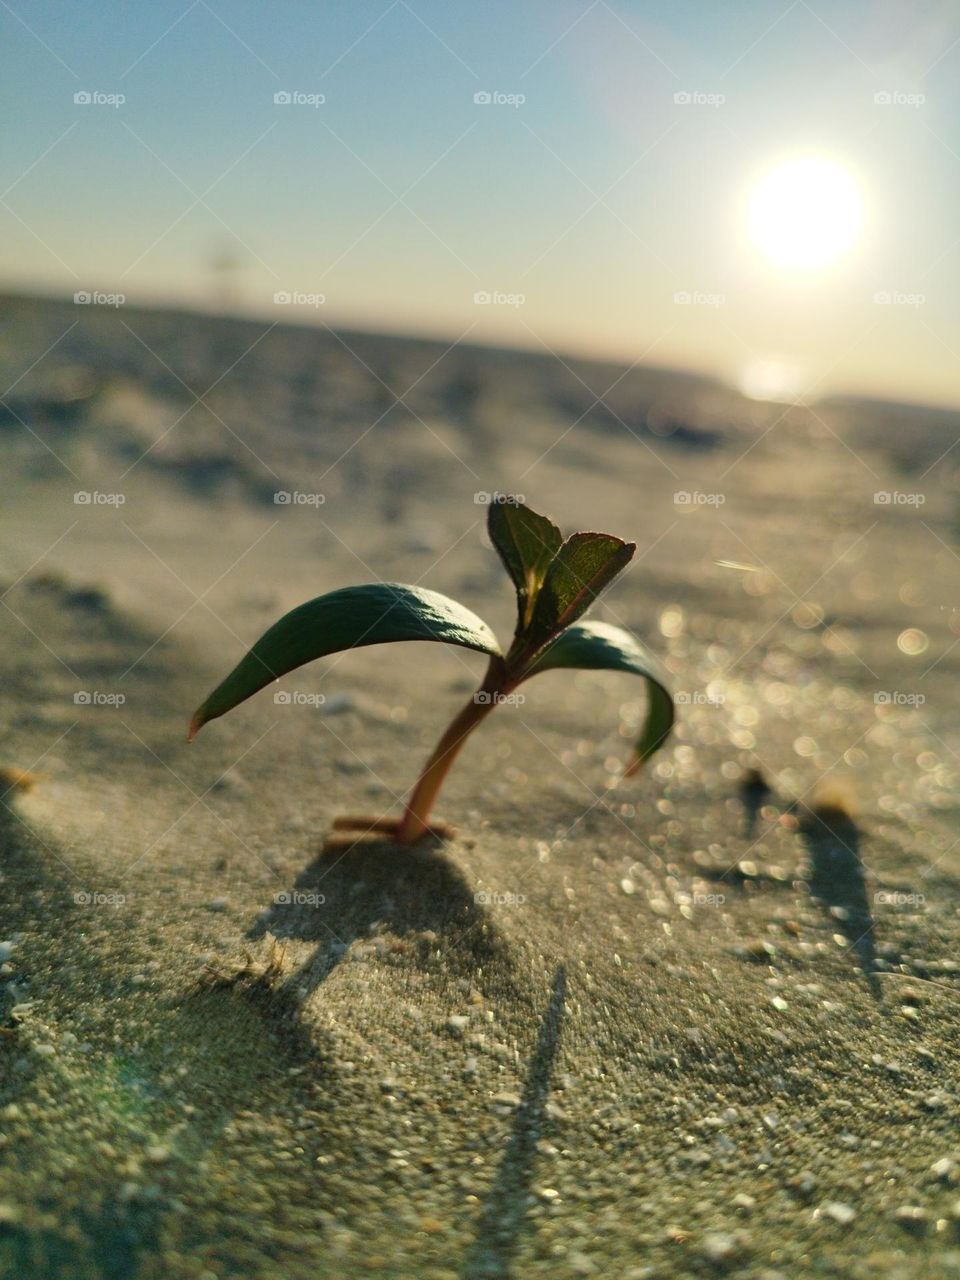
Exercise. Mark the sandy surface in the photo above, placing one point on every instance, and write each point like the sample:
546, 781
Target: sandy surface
665, 1027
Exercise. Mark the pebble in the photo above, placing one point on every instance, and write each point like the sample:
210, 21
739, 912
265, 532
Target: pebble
230, 780
944, 1170
217, 904
580, 1263
628, 886
757, 949
935, 1101
458, 1023
912, 1217
744, 1203
839, 1212
505, 1099
779, 1003
724, 1247
6, 950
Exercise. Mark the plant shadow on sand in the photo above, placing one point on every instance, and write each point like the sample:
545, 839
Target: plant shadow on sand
835, 875
837, 878
417, 902
504, 1213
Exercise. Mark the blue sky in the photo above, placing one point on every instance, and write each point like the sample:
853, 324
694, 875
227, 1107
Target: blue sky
596, 200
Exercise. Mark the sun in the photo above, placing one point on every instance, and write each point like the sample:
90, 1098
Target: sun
805, 212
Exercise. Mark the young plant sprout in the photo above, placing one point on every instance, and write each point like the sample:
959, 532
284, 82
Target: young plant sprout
556, 581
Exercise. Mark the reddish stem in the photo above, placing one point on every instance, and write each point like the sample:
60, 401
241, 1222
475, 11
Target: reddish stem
414, 824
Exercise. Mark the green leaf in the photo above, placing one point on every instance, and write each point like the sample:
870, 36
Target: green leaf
346, 619
583, 566
596, 646
526, 542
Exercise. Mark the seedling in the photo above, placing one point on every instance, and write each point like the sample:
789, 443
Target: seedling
556, 581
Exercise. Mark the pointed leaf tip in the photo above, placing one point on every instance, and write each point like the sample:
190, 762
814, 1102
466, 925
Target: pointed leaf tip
584, 565
526, 543
350, 618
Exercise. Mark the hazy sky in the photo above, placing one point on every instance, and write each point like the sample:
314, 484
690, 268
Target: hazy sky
584, 197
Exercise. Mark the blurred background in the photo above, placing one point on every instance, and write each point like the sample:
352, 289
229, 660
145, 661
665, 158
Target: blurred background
758, 191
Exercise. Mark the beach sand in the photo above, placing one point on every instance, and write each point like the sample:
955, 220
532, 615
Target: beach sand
685, 1024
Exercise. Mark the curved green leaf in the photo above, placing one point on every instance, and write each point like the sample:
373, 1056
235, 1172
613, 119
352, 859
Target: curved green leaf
584, 565
597, 646
350, 618
526, 543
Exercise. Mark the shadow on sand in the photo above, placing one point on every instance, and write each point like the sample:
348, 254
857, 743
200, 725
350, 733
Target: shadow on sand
503, 1218
417, 897
837, 879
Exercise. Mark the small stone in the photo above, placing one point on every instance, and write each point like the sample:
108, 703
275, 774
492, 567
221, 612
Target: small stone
549, 1194
580, 1263
944, 1170
744, 1203
912, 1217
157, 1154
505, 1100
432, 1226
723, 1248
841, 1213
935, 1101
779, 1003
803, 1185
458, 1023
6, 950
628, 886
757, 949
230, 780
217, 904
44, 1050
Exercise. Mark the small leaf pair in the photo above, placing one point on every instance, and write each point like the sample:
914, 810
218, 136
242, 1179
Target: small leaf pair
556, 581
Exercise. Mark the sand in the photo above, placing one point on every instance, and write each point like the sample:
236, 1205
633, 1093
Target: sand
683, 1025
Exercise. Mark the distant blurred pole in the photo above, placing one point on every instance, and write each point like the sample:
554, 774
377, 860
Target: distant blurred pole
225, 265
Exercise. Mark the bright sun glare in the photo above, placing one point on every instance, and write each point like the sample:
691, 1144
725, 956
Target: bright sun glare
805, 212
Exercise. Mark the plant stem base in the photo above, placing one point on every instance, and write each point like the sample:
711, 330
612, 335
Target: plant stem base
349, 830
